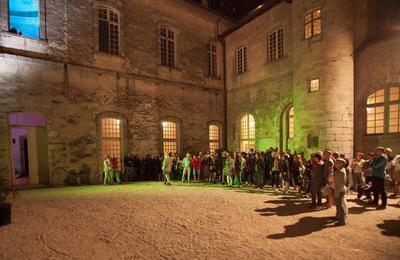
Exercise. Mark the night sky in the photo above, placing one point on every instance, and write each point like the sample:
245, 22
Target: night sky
234, 8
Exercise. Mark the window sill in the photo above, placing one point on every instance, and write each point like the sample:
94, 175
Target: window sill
108, 60
314, 39
384, 135
271, 63
22, 37
242, 74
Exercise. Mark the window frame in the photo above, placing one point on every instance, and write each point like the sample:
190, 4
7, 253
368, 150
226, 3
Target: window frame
289, 125
6, 27
276, 56
311, 23
160, 42
309, 85
109, 22
386, 104
249, 131
178, 133
217, 141
212, 60
244, 61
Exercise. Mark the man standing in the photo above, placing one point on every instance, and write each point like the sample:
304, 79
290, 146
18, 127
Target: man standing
108, 178
238, 179
378, 173
339, 194
358, 174
186, 167
328, 175
167, 167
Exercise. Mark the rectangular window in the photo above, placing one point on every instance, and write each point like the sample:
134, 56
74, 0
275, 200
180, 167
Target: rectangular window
214, 137
394, 118
167, 47
375, 120
275, 45
111, 139
108, 31
24, 18
314, 85
170, 140
212, 60
312, 24
241, 60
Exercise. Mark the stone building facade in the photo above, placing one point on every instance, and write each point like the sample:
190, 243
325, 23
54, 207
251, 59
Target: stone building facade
63, 77
313, 93
293, 74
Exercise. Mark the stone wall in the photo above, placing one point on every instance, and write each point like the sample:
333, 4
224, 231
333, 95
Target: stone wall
265, 90
66, 79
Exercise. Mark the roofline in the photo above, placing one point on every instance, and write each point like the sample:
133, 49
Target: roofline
261, 9
212, 11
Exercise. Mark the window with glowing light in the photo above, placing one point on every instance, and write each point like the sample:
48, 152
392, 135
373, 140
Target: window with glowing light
312, 24
109, 20
291, 122
247, 133
168, 47
383, 111
170, 137
241, 60
313, 85
24, 17
275, 45
212, 61
214, 137
111, 137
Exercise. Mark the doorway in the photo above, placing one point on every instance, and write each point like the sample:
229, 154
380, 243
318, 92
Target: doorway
29, 149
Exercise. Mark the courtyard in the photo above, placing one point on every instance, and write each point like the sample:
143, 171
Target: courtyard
190, 221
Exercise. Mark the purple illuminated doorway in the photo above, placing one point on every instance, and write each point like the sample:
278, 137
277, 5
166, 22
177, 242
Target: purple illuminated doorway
29, 149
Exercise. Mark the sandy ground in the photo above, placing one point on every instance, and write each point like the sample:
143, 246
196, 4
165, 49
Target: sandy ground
151, 221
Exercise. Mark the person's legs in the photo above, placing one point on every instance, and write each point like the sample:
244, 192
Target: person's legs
319, 197
105, 178
375, 190
381, 191
313, 198
167, 178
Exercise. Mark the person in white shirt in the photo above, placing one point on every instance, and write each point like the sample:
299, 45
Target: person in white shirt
358, 174
167, 167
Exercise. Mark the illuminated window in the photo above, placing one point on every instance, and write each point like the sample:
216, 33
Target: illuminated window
383, 110
24, 17
314, 85
291, 122
111, 139
170, 137
108, 31
167, 47
241, 60
275, 45
247, 133
214, 136
394, 110
212, 60
312, 23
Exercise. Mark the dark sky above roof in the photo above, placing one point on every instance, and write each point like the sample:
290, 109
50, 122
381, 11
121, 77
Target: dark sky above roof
234, 8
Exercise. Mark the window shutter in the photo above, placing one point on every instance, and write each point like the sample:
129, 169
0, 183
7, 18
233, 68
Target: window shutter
104, 45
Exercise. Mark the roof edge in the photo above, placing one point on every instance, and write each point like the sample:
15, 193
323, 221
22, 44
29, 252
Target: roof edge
261, 9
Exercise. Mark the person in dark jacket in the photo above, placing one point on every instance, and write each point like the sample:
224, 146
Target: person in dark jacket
378, 174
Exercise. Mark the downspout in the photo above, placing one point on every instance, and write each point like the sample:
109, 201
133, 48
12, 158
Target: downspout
225, 107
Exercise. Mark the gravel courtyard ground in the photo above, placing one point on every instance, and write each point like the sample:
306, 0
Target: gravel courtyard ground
152, 221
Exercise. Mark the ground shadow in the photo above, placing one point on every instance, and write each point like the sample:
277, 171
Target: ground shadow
304, 226
359, 210
288, 207
390, 227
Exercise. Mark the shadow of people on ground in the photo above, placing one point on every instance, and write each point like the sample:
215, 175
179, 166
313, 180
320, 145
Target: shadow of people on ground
288, 207
390, 227
303, 227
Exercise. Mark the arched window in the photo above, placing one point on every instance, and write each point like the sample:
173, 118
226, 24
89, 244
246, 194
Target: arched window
170, 137
383, 110
214, 137
167, 47
111, 139
109, 31
247, 133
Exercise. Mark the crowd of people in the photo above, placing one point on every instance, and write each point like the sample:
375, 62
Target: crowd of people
327, 174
